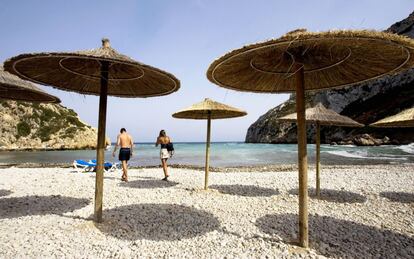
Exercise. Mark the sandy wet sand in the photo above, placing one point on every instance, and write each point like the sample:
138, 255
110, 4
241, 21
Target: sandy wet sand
364, 211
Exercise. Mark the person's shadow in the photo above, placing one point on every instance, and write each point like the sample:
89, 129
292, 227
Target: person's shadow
245, 190
403, 197
338, 238
148, 184
157, 222
15, 207
334, 195
4, 192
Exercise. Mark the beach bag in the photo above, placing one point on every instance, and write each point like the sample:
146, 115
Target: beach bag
170, 148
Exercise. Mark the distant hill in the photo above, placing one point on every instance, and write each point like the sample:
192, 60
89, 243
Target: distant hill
365, 103
26, 125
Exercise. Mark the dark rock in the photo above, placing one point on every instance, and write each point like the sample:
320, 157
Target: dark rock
346, 142
404, 27
366, 140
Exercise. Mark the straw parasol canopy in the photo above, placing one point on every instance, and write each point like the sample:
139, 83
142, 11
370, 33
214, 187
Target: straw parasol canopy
14, 88
320, 115
300, 61
208, 110
404, 119
102, 71
80, 72
330, 59
323, 116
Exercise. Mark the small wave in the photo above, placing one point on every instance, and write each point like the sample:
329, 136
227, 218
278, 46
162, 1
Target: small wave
362, 155
346, 154
407, 148
336, 146
232, 144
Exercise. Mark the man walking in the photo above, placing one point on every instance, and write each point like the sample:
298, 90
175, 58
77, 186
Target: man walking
124, 141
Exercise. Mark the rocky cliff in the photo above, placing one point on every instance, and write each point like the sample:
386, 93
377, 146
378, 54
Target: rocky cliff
43, 126
365, 103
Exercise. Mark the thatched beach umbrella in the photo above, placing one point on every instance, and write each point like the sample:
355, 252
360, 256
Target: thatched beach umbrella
102, 71
404, 119
319, 115
208, 110
14, 88
302, 61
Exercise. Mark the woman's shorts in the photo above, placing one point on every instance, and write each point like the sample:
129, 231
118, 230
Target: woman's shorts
164, 154
124, 154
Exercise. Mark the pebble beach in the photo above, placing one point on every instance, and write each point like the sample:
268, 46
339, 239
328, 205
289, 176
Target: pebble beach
363, 212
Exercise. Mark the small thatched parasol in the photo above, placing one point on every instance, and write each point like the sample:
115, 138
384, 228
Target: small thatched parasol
14, 88
404, 119
208, 110
102, 71
319, 115
303, 60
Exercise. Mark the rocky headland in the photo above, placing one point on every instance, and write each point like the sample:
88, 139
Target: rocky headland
34, 126
365, 103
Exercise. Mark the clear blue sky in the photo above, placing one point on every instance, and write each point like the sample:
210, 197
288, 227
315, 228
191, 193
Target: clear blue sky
182, 37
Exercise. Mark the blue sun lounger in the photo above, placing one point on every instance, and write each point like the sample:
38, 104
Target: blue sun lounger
84, 166
81, 166
108, 166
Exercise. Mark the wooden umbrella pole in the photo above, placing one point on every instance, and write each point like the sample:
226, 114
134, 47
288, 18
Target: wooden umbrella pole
207, 150
318, 158
100, 149
302, 156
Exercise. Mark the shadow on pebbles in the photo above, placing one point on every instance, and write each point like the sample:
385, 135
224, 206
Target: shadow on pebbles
157, 222
341, 238
245, 190
339, 196
39, 205
148, 184
5, 192
402, 197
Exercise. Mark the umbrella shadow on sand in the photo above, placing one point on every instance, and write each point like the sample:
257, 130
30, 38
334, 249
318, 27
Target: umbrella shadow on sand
403, 197
39, 205
341, 238
4, 192
148, 184
245, 190
157, 222
334, 195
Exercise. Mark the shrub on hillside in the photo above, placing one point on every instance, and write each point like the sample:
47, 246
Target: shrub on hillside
23, 129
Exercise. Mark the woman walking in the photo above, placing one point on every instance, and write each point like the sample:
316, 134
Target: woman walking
164, 140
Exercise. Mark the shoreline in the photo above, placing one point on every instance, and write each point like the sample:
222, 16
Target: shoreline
221, 169
344, 144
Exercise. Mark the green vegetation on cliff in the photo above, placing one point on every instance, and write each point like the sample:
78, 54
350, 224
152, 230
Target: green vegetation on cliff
23, 129
26, 125
50, 122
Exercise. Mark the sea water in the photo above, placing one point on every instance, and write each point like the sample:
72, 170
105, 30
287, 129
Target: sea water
229, 154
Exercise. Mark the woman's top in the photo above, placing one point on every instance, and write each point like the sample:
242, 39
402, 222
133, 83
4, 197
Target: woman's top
165, 139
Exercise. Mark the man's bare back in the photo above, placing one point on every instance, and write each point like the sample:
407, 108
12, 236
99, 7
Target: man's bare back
124, 140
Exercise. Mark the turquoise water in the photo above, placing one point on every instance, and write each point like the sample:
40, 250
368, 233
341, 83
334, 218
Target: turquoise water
229, 154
